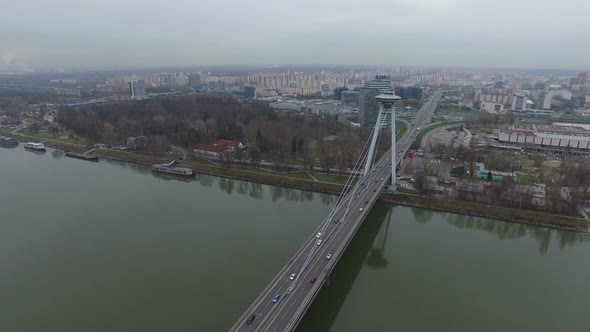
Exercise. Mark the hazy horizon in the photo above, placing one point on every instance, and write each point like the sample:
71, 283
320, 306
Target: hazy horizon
180, 33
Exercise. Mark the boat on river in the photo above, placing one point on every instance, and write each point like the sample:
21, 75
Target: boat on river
170, 169
39, 147
8, 141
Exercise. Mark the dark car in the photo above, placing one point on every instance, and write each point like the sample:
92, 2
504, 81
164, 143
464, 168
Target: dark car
251, 319
367, 202
313, 280
336, 221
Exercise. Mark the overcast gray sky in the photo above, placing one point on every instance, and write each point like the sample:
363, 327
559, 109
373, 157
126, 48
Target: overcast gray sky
120, 33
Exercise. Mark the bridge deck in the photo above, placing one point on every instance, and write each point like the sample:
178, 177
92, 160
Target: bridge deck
297, 295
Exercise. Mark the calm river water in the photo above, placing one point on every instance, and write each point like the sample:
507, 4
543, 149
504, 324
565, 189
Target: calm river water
110, 247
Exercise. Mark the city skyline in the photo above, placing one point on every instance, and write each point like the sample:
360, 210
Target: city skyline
452, 33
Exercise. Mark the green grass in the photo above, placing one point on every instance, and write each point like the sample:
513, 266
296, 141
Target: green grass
402, 127
332, 178
406, 190
59, 138
525, 179
6, 131
430, 128
297, 175
483, 130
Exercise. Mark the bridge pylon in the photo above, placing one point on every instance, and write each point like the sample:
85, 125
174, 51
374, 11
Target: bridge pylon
386, 110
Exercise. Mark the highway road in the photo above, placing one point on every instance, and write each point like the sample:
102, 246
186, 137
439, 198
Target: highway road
310, 263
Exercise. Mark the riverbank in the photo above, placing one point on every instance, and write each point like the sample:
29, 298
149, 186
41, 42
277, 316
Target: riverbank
290, 180
527, 217
284, 180
330, 184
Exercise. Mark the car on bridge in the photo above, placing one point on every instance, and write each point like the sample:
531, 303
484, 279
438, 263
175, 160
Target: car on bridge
319, 242
329, 256
251, 319
292, 277
276, 298
313, 280
318, 235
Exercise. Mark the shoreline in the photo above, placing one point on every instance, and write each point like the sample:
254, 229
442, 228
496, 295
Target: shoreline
527, 217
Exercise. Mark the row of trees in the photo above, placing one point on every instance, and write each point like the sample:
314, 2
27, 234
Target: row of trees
284, 139
565, 188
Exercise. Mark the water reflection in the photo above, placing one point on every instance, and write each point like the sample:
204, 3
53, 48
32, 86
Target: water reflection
7, 146
205, 180
172, 178
242, 187
255, 190
422, 215
226, 185
510, 231
328, 199
139, 168
290, 194
376, 257
325, 308
57, 154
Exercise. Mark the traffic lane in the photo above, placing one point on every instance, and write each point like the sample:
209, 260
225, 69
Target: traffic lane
318, 271
304, 290
265, 304
304, 286
263, 301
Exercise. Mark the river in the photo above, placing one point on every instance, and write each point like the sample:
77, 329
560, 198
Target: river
109, 246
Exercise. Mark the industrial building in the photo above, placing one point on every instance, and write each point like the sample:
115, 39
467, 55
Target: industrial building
559, 137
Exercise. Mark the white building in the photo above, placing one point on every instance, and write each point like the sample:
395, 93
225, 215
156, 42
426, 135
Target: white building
546, 98
559, 136
492, 107
519, 101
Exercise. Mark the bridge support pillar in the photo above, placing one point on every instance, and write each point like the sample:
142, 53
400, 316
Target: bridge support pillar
387, 106
392, 188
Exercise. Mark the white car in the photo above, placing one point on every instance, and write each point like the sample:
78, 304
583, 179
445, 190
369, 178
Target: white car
319, 242
329, 256
292, 277
318, 235
360, 210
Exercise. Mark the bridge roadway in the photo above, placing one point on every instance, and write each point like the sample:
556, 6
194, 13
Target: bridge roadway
297, 295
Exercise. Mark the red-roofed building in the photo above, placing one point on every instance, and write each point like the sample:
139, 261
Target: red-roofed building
216, 148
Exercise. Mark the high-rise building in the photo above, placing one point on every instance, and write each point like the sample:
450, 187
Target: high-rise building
368, 105
546, 99
250, 91
582, 77
137, 89
519, 102
194, 81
